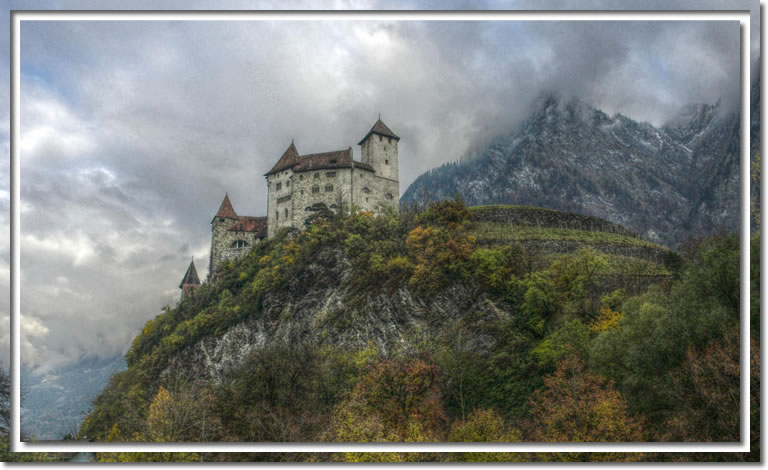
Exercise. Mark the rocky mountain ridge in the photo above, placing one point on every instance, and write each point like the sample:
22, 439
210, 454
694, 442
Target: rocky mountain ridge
671, 183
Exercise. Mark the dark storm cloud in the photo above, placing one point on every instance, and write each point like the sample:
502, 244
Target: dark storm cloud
133, 131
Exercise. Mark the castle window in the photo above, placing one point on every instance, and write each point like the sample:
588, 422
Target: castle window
277, 215
366, 190
221, 219
286, 212
328, 188
287, 184
239, 244
315, 189
302, 192
380, 139
330, 174
317, 175
301, 177
386, 162
278, 186
389, 196
333, 161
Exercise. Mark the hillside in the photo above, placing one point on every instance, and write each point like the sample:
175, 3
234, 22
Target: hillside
668, 184
421, 327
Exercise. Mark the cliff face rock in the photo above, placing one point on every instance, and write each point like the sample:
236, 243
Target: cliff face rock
322, 305
669, 183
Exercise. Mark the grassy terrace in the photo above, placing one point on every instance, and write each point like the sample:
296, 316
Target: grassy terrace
617, 265
508, 206
498, 231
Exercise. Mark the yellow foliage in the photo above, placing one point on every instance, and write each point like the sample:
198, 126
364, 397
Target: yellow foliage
607, 320
158, 419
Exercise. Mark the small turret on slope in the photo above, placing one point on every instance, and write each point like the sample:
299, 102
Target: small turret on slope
190, 282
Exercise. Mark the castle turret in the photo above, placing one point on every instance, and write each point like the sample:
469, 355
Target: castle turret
225, 218
279, 191
379, 150
190, 282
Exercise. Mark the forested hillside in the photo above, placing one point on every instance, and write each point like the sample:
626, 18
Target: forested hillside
409, 328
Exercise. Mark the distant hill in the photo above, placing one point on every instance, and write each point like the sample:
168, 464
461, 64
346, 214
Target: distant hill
54, 403
667, 184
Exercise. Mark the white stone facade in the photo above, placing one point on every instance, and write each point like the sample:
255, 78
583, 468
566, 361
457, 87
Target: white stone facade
296, 182
334, 178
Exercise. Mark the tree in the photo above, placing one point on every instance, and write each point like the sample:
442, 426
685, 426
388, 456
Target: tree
484, 425
577, 405
398, 399
5, 401
707, 392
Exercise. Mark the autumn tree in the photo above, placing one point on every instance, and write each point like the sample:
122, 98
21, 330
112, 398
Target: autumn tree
398, 399
577, 405
484, 425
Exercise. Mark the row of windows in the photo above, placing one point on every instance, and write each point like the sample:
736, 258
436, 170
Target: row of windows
239, 244
316, 189
328, 174
277, 214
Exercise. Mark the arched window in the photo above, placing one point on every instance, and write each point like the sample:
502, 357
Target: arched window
328, 188
388, 196
239, 244
315, 189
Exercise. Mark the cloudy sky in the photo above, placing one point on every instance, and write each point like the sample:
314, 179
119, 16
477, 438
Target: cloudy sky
132, 131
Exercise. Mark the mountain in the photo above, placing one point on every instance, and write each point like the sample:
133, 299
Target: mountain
669, 183
54, 403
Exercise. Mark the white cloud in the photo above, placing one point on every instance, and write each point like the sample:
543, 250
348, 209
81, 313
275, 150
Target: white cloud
132, 132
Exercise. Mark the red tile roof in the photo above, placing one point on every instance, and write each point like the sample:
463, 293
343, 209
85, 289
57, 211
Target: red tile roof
190, 277
256, 225
289, 159
226, 210
322, 161
381, 129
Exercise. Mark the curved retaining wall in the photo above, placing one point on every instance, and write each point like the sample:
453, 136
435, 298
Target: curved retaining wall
549, 218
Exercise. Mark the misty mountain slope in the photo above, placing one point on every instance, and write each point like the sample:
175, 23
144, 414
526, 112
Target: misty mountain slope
665, 183
54, 403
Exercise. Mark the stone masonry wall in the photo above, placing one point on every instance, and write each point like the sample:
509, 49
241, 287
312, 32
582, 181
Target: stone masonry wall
221, 244
302, 196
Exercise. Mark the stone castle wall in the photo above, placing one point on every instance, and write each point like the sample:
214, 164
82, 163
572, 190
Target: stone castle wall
221, 244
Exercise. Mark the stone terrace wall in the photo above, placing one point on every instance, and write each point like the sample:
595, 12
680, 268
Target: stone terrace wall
549, 218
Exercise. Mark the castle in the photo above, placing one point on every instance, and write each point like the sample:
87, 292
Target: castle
295, 183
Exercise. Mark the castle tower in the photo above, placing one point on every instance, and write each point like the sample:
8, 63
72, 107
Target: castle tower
190, 282
379, 150
225, 218
279, 191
